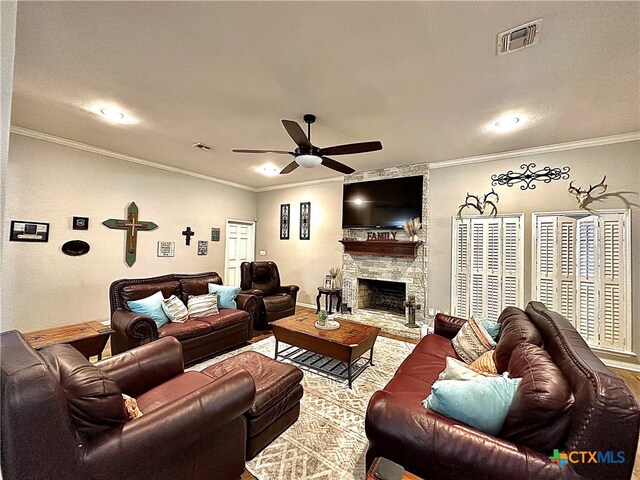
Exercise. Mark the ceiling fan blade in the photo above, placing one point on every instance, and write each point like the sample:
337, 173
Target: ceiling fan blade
362, 147
335, 165
289, 168
295, 131
242, 150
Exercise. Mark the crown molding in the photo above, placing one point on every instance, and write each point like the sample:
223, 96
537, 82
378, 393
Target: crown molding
308, 183
558, 147
25, 132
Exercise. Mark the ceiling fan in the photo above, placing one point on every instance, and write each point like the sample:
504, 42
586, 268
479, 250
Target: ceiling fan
308, 155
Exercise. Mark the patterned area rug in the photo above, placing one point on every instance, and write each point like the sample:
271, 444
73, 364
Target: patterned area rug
328, 440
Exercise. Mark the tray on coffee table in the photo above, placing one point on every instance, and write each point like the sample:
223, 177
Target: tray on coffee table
338, 353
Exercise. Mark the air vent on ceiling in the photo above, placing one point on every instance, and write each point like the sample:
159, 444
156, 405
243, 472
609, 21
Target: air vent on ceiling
520, 37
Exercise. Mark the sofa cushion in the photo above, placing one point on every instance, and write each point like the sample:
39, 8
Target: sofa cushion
278, 303
472, 341
150, 306
142, 290
540, 413
172, 390
197, 286
95, 402
184, 330
175, 310
225, 318
200, 306
516, 328
226, 295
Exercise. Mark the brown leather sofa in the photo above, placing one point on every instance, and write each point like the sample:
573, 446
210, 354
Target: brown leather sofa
63, 418
274, 300
199, 338
568, 400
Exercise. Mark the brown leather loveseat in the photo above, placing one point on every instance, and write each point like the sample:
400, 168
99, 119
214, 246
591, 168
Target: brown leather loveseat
567, 400
199, 338
64, 419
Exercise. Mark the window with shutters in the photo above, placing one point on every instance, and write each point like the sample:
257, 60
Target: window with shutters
581, 265
487, 265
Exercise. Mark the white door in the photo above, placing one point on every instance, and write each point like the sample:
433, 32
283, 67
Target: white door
240, 245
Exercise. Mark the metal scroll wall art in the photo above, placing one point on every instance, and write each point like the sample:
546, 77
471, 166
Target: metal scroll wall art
529, 176
488, 200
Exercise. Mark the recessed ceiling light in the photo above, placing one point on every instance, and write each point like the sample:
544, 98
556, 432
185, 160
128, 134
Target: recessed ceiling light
112, 114
269, 170
508, 123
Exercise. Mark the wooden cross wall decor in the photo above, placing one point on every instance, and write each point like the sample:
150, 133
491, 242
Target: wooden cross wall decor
188, 233
131, 225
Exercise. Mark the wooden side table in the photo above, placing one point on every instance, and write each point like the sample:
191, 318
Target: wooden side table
405, 476
329, 293
89, 338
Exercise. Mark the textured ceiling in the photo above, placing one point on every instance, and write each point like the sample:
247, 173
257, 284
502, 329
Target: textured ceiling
421, 77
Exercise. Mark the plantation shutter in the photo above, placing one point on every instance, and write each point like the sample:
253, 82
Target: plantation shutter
478, 266
588, 283
612, 278
511, 264
546, 274
460, 287
566, 302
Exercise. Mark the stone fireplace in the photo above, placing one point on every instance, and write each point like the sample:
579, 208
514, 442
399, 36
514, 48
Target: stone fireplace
410, 272
381, 295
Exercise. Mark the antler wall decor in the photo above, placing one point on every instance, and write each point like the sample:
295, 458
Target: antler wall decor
584, 197
527, 177
474, 201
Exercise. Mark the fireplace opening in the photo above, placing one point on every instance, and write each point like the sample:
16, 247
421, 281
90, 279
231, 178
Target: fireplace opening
381, 295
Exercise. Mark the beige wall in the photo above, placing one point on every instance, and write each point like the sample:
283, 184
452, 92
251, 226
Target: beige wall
302, 262
52, 183
620, 162
8, 42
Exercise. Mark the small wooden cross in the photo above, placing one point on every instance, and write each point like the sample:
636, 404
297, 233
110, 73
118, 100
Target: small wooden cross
188, 234
131, 225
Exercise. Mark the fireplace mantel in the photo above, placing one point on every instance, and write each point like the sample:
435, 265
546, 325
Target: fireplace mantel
381, 248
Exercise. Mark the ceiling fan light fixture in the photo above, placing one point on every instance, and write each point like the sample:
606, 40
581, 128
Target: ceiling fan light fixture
308, 161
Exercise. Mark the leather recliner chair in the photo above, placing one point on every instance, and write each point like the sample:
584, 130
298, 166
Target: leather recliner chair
64, 418
274, 300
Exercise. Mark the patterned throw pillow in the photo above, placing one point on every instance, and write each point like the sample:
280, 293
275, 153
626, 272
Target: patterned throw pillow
200, 306
472, 341
175, 309
457, 370
131, 404
485, 363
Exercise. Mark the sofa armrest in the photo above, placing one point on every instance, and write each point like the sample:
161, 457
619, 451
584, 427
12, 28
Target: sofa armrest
434, 446
447, 325
291, 290
248, 303
131, 330
170, 428
140, 369
257, 293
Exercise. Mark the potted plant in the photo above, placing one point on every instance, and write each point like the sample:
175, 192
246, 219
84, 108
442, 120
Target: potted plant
322, 318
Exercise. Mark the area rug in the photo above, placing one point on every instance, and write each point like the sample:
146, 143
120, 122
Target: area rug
328, 440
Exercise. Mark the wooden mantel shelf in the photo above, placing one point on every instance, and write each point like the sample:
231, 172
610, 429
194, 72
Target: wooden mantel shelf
382, 248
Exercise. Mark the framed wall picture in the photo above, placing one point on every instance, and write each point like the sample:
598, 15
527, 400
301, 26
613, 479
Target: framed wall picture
305, 221
23, 231
285, 209
81, 223
328, 281
215, 234
166, 249
203, 247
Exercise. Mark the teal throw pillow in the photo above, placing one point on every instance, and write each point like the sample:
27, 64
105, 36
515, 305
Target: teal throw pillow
151, 307
481, 403
226, 295
492, 327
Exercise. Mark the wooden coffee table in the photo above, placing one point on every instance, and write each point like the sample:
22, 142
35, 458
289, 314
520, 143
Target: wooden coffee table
337, 353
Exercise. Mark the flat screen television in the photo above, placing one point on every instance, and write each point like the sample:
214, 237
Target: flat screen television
382, 203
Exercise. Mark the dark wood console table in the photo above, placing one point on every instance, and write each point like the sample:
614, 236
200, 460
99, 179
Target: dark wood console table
388, 248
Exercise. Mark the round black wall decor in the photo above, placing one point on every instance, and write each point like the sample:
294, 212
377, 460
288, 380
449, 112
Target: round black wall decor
75, 248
